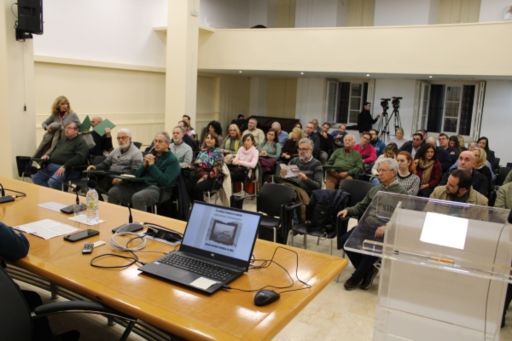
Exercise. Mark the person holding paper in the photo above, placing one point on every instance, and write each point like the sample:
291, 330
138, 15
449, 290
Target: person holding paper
158, 174
61, 116
103, 143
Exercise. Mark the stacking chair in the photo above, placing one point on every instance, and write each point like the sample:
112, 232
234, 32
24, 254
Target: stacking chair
23, 164
17, 322
276, 202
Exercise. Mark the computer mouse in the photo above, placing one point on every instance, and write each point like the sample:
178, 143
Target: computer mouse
264, 297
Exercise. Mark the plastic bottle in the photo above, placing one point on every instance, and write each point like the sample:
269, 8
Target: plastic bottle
92, 212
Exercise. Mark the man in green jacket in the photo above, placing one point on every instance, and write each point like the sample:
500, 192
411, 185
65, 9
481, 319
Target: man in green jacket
154, 179
344, 163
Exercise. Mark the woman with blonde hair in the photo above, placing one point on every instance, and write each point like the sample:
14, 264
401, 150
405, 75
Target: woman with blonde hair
291, 146
481, 163
231, 143
61, 116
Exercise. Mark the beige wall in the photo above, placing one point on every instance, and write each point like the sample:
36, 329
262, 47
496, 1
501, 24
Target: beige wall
281, 97
130, 98
434, 49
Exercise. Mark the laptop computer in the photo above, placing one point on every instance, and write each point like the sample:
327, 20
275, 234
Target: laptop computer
216, 248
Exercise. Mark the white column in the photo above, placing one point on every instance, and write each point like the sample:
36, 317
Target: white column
181, 69
17, 113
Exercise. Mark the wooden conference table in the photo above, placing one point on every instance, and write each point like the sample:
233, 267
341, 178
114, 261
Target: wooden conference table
225, 315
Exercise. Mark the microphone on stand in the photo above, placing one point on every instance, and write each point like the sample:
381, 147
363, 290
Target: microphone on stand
76, 207
131, 226
5, 198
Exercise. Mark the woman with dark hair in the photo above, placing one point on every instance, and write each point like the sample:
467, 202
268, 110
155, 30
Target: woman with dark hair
245, 160
208, 167
428, 169
483, 142
270, 151
291, 148
406, 176
215, 128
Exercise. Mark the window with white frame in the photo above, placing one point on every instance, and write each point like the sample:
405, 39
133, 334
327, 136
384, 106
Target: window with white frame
345, 100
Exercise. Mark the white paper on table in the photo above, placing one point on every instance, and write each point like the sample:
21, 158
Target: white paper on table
82, 219
46, 228
52, 205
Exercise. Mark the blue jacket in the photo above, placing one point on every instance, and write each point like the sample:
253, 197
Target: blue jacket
13, 245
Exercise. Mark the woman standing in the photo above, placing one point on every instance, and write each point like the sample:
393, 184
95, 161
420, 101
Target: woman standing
61, 115
428, 168
406, 176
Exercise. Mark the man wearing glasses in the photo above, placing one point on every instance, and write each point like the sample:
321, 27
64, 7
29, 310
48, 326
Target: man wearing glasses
125, 159
154, 178
413, 146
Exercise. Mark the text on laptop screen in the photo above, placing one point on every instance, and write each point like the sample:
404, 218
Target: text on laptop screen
220, 230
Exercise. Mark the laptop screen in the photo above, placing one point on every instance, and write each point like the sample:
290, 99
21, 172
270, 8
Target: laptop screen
221, 230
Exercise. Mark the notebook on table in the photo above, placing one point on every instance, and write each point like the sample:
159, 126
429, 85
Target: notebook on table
216, 248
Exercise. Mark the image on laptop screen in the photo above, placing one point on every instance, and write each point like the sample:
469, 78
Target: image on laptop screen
221, 230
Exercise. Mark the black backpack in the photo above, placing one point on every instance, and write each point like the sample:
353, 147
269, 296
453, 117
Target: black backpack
324, 207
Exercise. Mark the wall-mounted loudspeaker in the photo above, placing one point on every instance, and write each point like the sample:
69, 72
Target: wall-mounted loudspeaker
30, 18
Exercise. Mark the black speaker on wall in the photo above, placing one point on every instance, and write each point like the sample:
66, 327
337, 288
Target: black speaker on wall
30, 19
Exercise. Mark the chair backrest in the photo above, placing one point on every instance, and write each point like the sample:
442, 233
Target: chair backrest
356, 188
15, 321
272, 196
23, 164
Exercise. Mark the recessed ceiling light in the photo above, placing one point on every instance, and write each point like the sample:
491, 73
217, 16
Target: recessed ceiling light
302, 73
240, 71
430, 77
367, 75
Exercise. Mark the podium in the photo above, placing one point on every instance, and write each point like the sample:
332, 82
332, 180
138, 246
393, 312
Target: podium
444, 271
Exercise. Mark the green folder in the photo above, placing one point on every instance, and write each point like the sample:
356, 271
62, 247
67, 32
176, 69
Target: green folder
100, 128
86, 125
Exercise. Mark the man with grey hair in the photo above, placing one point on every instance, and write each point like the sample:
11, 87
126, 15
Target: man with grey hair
344, 163
282, 135
125, 159
154, 178
257, 133
180, 149
308, 173
365, 272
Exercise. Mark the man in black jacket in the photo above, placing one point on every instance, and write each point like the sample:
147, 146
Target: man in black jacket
365, 120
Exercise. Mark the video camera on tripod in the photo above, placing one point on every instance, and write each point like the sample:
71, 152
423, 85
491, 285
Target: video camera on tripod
384, 103
396, 102
395, 115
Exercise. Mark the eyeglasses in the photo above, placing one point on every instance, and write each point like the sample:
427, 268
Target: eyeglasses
159, 141
304, 149
383, 170
122, 137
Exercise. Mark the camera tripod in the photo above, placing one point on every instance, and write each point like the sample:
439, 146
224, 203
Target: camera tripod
384, 132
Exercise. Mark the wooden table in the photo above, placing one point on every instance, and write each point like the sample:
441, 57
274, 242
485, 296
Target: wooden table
226, 315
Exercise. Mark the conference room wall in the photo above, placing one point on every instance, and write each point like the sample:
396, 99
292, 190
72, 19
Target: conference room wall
131, 98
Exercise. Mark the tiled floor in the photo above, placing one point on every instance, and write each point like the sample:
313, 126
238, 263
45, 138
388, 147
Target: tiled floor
335, 314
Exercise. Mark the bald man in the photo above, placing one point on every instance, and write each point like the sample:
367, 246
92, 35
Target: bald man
467, 161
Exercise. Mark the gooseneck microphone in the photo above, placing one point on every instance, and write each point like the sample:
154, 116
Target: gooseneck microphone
76, 207
5, 198
131, 226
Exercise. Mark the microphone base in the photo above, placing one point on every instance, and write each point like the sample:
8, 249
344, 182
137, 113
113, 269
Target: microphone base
7, 198
73, 208
131, 227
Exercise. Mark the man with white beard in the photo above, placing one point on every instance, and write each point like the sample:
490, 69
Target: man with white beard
125, 159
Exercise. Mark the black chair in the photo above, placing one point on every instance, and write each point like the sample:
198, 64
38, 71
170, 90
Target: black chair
24, 166
358, 190
17, 322
277, 202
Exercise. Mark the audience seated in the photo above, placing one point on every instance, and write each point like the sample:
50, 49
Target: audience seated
406, 176
339, 135
458, 188
213, 127
309, 176
326, 142
207, 168
441, 154
389, 152
479, 181
414, 145
428, 169
366, 150
71, 151
344, 163
103, 144
282, 135
453, 152
377, 143
240, 122
231, 143
189, 129
290, 147
61, 116
158, 172
257, 133
245, 161
399, 138
182, 151
483, 142
312, 134
126, 158
373, 226
270, 151
188, 137
482, 165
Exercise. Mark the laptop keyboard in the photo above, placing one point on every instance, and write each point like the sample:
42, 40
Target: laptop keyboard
197, 266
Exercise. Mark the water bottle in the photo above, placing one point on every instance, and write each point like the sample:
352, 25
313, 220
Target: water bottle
92, 213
